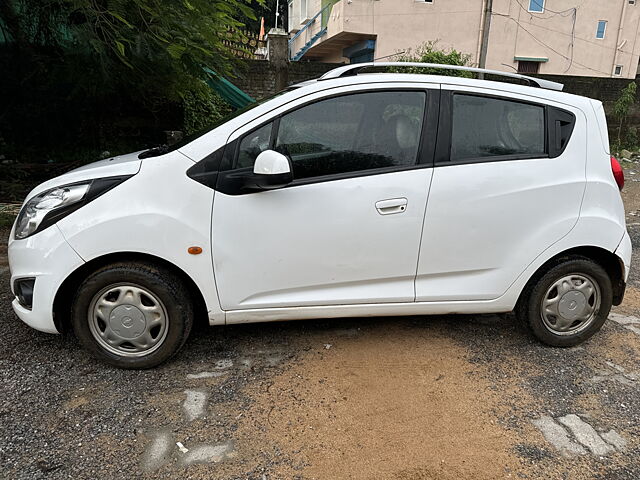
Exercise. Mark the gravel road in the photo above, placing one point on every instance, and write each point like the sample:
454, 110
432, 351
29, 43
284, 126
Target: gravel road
447, 397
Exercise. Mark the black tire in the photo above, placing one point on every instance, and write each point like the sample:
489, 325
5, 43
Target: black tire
163, 284
529, 308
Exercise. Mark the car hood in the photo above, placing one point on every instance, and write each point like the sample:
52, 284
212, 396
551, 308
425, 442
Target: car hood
128, 164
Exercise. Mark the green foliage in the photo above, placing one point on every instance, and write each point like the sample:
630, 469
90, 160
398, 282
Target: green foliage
202, 107
138, 43
83, 76
625, 100
621, 108
429, 52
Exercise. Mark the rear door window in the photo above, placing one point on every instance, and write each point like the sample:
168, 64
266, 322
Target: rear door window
485, 128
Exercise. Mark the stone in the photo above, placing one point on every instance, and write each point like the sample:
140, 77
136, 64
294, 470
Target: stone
194, 404
557, 436
586, 435
157, 452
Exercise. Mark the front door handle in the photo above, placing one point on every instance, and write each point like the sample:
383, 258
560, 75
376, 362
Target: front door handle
391, 206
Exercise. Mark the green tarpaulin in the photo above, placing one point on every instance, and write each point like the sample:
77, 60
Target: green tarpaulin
228, 90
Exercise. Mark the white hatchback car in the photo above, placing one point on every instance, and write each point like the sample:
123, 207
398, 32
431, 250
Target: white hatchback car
346, 196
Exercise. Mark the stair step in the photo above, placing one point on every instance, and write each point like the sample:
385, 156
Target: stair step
308, 45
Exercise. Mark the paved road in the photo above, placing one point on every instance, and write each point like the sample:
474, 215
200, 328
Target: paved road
400, 398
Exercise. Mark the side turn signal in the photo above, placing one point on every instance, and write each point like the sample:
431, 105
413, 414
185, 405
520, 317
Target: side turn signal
194, 250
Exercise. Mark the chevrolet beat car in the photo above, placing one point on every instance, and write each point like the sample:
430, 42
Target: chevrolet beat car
356, 194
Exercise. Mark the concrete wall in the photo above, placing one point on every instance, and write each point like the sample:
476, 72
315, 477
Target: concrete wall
607, 90
260, 77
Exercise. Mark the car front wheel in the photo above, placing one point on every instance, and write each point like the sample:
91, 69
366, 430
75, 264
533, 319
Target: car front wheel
132, 315
569, 303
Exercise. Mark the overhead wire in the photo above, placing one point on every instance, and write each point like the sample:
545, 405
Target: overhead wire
538, 14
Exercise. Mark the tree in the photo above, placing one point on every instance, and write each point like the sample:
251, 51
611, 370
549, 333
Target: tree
138, 34
621, 107
429, 53
81, 71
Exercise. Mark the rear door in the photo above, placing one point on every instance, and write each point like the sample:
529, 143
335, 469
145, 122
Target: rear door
508, 182
347, 229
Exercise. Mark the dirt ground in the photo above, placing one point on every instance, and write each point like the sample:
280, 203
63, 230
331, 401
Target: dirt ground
445, 397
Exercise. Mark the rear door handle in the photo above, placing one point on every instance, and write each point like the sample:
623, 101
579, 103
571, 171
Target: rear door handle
391, 206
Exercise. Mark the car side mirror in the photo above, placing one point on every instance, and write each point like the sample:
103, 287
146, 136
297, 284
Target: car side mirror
272, 170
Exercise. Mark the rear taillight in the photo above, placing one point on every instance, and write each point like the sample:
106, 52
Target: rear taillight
618, 173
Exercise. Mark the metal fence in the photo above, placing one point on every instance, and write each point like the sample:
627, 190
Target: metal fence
245, 44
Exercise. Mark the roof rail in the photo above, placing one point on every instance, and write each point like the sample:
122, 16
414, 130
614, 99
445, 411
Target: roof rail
354, 68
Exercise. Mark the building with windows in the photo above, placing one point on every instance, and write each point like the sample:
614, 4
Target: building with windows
561, 37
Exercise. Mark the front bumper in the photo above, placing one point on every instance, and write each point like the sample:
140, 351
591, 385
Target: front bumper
47, 257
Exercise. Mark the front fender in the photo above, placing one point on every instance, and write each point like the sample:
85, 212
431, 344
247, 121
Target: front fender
159, 212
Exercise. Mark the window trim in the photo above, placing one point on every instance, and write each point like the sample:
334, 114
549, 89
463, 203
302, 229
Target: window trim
445, 132
424, 156
536, 11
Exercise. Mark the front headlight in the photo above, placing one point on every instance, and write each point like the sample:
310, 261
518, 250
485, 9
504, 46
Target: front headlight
36, 209
48, 207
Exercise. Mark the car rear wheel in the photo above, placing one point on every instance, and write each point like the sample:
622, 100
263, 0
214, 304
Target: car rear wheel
569, 303
132, 315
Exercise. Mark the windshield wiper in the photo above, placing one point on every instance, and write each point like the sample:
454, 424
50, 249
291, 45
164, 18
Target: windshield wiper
155, 151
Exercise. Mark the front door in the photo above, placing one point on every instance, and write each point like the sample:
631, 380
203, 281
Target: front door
347, 230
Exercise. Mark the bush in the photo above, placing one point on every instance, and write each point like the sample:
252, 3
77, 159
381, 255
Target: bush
621, 111
201, 108
429, 53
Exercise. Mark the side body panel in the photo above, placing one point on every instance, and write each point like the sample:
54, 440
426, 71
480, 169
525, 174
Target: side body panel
486, 222
599, 224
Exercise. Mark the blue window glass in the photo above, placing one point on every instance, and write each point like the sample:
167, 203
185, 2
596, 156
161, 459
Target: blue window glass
536, 6
602, 26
